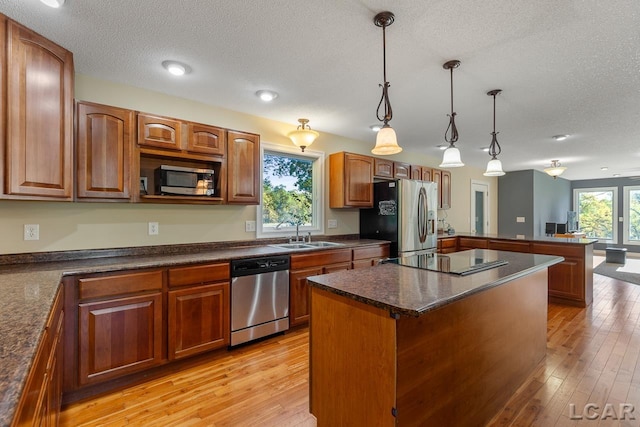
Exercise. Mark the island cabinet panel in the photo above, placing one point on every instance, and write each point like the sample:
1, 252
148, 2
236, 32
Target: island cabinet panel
353, 362
206, 139
350, 180
465, 243
198, 319
103, 152
510, 245
41, 399
306, 265
571, 281
39, 117
243, 168
119, 336
383, 168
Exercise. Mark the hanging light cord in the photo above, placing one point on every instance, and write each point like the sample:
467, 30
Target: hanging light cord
452, 119
388, 112
494, 147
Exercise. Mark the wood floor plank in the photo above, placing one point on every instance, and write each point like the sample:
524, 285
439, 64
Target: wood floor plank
593, 356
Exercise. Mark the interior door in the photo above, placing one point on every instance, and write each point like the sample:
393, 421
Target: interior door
479, 207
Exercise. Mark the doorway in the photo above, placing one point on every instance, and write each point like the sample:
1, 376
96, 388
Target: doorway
479, 207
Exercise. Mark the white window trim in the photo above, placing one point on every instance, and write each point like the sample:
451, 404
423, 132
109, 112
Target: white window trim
317, 228
614, 211
627, 220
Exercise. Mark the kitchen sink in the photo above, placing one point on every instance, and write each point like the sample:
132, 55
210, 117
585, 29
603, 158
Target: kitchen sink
293, 246
323, 244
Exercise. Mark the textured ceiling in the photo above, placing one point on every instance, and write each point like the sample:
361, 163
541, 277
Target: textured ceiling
565, 67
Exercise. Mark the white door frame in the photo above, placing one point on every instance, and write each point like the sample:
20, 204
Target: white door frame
483, 186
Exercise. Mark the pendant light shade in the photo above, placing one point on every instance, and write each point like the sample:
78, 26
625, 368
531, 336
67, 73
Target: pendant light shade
494, 167
386, 140
555, 170
451, 156
303, 136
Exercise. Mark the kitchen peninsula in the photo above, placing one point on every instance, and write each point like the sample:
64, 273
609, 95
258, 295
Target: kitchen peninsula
396, 345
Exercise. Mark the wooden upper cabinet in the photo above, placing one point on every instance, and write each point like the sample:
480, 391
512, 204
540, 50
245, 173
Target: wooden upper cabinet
436, 176
205, 139
161, 132
39, 116
243, 168
383, 168
426, 174
103, 152
350, 180
445, 196
416, 172
401, 170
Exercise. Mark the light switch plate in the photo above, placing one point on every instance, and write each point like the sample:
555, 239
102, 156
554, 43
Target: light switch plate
249, 226
332, 223
519, 219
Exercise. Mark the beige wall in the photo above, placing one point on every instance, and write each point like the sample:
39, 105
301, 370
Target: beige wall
66, 226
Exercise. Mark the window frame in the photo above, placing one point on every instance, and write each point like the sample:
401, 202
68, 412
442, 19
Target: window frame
614, 209
317, 227
625, 213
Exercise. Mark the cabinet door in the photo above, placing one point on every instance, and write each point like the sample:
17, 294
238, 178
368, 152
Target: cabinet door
383, 168
416, 172
39, 116
120, 336
198, 319
565, 279
161, 132
205, 139
299, 295
336, 267
350, 180
401, 170
243, 168
426, 174
103, 151
436, 176
445, 196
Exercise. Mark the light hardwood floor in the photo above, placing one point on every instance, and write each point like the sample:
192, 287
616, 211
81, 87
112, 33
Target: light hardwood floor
592, 357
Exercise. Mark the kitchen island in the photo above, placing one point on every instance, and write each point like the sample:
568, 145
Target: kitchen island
395, 345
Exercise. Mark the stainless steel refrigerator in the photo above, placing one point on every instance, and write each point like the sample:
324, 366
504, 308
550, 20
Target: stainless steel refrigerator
405, 213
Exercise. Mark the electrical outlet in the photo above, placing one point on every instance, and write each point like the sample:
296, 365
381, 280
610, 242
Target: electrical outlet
332, 223
249, 226
154, 229
32, 232
519, 219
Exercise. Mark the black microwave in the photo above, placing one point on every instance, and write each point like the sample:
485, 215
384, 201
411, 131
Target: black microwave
184, 181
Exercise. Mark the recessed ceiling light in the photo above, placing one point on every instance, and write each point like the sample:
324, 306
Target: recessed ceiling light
485, 149
604, 168
267, 95
375, 128
616, 174
176, 68
560, 137
53, 3
442, 146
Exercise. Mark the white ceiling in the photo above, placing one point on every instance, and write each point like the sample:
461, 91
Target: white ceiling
565, 67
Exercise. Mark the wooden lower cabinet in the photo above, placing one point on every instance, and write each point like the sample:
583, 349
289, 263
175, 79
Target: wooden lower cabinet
41, 398
369, 256
198, 319
465, 243
119, 336
447, 245
511, 246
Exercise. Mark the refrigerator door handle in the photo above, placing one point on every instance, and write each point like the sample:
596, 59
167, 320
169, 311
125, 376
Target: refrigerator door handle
422, 215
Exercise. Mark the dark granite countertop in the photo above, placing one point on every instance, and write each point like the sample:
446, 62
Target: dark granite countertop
28, 289
544, 239
412, 291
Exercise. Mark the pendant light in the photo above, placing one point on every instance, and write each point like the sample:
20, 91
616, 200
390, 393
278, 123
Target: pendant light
555, 170
386, 140
451, 156
494, 167
303, 136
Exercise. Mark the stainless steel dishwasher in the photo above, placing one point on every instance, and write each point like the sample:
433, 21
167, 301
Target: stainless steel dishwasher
259, 297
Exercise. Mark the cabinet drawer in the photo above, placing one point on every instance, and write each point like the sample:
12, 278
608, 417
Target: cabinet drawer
466, 242
381, 251
315, 259
559, 250
449, 243
502, 245
96, 287
200, 274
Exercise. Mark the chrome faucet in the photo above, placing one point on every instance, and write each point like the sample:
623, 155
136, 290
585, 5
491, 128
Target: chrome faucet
297, 235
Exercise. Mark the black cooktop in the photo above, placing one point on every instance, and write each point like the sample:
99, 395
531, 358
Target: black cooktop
460, 263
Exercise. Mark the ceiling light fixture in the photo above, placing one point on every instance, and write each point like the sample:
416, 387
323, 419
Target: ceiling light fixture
53, 3
176, 68
386, 140
267, 95
555, 170
303, 136
451, 156
560, 137
494, 167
